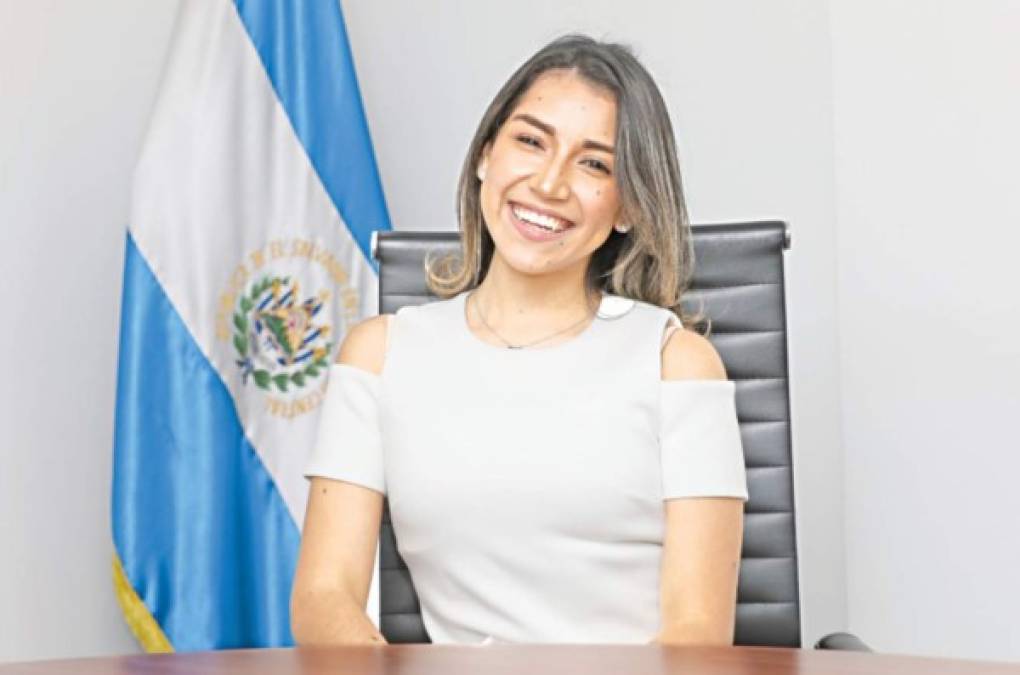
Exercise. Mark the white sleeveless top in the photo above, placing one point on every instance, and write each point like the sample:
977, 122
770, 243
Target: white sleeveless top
526, 486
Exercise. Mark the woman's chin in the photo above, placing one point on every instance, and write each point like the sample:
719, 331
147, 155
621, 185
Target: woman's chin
528, 263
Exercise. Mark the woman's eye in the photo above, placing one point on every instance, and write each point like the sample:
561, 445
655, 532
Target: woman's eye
598, 166
529, 140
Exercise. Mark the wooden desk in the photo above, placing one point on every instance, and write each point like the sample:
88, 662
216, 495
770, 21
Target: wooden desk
513, 660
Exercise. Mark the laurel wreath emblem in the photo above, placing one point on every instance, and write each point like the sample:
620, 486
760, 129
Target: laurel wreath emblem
270, 325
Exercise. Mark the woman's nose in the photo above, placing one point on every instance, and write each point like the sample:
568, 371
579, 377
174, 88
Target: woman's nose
550, 181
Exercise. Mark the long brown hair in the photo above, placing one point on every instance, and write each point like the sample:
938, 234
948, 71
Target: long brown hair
653, 261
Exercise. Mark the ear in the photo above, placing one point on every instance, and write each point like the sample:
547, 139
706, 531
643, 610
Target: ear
483, 162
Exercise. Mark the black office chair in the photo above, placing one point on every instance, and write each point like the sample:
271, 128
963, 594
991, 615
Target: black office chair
738, 283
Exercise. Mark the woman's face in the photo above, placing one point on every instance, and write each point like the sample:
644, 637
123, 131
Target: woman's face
548, 194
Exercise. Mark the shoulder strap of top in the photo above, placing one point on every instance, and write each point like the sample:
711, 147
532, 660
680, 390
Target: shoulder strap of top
673, 324
660, 317
412, 331
389, 332
636, 332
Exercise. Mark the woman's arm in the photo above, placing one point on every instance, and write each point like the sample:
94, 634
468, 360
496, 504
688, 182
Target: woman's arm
334, 571
340, 535
703, 535
700, 561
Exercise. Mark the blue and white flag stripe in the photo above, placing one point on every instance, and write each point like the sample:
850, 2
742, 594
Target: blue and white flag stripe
200, 528
318, 87
257, 173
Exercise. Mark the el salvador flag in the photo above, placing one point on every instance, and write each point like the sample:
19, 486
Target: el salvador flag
247, 259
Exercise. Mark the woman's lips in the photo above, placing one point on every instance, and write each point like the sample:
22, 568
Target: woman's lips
533, 232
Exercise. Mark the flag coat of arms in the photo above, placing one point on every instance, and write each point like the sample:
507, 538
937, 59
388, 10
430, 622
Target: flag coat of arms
247, 259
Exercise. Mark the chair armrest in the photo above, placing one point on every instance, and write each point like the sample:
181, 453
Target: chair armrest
846, 642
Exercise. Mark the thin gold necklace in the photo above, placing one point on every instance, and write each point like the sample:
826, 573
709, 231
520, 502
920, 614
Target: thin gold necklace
509, 345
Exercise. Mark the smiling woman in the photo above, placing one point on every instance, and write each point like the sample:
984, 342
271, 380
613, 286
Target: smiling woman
545, 179
587, 116
585, 485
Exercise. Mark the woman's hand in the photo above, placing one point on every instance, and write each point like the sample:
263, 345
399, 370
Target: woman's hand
331, 618
706, 634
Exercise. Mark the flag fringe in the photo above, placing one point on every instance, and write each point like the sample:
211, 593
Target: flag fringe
144, 627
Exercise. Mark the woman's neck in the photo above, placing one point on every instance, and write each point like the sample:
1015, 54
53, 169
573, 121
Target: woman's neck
521, 305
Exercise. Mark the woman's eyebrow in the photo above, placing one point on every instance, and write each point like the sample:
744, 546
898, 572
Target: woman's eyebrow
551, 130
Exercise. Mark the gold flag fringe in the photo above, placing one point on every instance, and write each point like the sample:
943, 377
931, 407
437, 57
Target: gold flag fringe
145, 628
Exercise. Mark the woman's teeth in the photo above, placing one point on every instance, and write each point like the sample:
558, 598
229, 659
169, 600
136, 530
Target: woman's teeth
539, 219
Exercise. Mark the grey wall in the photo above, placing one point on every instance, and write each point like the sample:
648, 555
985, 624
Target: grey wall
77, 83
883, 133
927, 98
748, 86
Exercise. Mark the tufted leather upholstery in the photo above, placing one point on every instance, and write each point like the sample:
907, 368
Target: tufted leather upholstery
739, 279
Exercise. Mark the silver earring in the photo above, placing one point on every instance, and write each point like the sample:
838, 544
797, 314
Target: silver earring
621, 228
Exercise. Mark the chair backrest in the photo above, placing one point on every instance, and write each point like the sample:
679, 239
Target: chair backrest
738, 283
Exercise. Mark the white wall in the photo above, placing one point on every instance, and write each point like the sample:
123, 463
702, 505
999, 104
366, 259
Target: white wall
919, 379
748, 86
77, 83
927, 101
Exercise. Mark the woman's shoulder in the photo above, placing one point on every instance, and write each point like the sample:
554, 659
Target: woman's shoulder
367, 342
686, 354
616, 306
364, 345
418, 321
